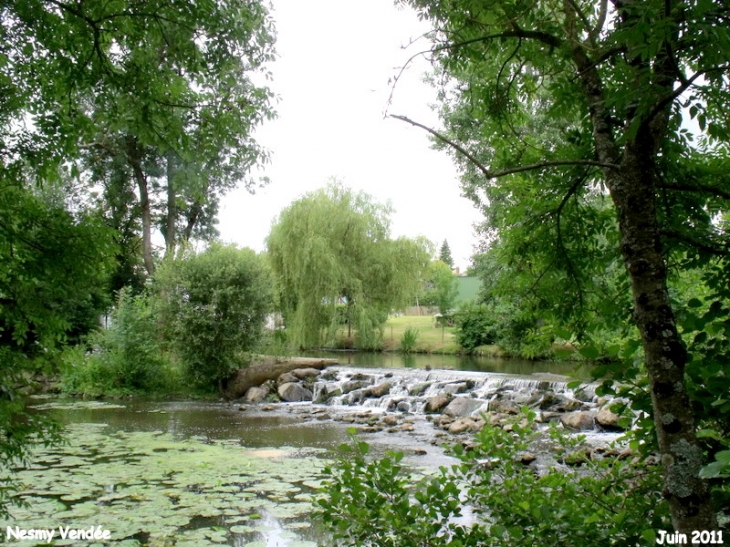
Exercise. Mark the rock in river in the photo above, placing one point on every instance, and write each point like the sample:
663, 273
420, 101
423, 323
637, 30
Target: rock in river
294, 393
256, 394
581, 421
460, 426
608, 419
378, 390
437, 402
306, 373
462, 406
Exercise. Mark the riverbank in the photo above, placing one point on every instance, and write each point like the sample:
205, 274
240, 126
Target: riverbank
428, 337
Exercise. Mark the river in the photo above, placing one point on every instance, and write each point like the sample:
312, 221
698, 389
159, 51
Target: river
216, 473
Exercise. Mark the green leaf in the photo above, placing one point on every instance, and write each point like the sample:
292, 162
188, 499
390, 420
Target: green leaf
709, 434
590, 351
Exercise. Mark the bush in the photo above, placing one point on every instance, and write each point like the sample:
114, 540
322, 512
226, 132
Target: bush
475, 326
408, 340
493, 499
215, 304
127, 356
441, 288
501, 322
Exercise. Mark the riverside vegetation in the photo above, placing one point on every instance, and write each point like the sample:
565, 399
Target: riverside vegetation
606, 217
589, 501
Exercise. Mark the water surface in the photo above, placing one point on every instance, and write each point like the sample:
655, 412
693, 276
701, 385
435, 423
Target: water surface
455, 362
209, 473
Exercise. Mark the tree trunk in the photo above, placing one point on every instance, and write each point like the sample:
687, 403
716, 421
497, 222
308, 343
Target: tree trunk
194, 213
270, 369
665, 355
171, 205
135, 156
632, 186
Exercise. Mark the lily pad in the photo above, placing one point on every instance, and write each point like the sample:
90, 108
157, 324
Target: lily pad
155, 484
242, 529
297, 525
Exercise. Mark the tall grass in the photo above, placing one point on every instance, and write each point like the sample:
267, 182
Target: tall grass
408, 340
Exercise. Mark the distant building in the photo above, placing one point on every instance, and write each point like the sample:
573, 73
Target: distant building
469, 287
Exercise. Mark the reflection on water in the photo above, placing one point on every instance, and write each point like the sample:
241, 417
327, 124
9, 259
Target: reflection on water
213, 421
455, 362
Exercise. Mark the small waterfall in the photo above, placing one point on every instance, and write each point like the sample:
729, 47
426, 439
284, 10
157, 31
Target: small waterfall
408, 390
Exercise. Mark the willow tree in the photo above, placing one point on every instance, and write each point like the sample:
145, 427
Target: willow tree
552, 99
335, 263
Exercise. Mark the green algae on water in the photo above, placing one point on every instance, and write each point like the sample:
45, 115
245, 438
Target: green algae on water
149, 487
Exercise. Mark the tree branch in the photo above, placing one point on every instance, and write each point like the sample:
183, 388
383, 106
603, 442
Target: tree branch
601, 20
496, 174
544, 37
707, 245
714, 190
583, 18
660, 105
577, 183
448, 141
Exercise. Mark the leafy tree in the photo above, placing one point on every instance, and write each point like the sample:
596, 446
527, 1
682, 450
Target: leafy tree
180, 132
333, 247
441, 287
559, 100
67, 71
53, 263
215, 304
445, 255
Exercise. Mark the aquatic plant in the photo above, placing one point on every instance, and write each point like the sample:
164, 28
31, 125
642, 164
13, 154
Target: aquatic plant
149, 487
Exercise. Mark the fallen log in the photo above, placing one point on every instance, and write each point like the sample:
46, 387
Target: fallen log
269, 368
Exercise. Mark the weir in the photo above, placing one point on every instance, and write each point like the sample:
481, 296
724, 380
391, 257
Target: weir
408, 390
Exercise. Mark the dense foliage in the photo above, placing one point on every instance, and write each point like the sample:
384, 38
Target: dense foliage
126, 356
51, 286
331, 248
440, 288
570, 121
94, 95
214, 305
494, 498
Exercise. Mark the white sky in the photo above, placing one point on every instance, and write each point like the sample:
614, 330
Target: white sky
335, 60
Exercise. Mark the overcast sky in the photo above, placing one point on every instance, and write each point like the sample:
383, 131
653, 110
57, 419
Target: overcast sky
335, 60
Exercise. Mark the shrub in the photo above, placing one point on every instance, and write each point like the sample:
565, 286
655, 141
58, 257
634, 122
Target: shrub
127, 356
517, 331
475, 326
408, 340
441, 288
215, 304
582, 500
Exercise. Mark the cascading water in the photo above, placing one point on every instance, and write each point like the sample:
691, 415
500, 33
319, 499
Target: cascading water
408, 390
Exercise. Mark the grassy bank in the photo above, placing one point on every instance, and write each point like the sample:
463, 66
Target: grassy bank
433, 338
430, 339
